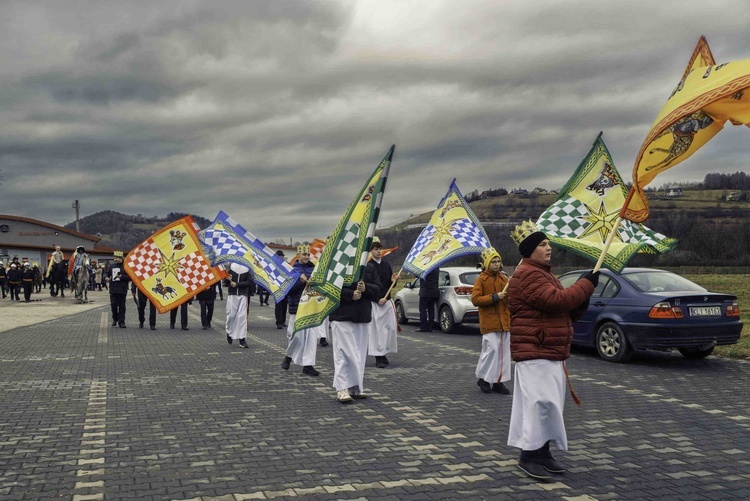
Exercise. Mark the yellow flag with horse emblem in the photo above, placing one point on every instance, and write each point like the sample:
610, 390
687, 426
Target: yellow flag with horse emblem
707, 96
170, 267
454, 230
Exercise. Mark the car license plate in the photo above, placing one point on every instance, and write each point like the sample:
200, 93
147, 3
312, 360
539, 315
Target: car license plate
705, 311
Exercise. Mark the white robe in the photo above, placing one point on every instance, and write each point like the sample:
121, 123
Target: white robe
494, 359
237, 317
303, 347
538, 402
349, 354
383, 330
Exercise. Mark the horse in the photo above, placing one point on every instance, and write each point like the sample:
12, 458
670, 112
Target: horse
58, 275
80, 282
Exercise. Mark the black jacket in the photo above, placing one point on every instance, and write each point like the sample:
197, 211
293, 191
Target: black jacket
245, 284
385, 272
428, 286
359, 312
118, 285
207, 294
295, 293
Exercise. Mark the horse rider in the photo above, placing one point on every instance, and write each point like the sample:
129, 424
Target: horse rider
80, 258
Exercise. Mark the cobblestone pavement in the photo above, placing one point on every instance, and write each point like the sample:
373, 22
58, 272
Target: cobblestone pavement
91, 412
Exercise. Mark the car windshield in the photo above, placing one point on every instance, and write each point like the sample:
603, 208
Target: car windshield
661, 281
469, 278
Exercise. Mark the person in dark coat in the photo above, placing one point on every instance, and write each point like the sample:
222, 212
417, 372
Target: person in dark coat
27, 281
118, 289
206, 299
3, 277
14, 281
350, 333
429, 291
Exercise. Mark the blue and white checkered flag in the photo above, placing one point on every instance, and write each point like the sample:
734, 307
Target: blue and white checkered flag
454, 230
226, 241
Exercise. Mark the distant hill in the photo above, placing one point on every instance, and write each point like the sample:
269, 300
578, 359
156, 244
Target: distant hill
123, 231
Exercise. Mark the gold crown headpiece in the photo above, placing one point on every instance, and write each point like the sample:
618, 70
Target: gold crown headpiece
118, 254
303, 249
522, 231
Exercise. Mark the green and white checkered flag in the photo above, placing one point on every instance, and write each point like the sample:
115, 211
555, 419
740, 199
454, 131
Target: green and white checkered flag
345, 254
586, 208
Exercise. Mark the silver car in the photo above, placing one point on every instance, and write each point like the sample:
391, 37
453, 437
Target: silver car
452, 308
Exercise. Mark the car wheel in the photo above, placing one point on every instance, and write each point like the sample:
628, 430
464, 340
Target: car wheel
611, 343
695, 353
400, 314
445, 317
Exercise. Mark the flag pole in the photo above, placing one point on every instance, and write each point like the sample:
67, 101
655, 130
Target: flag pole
393, 283
505, 289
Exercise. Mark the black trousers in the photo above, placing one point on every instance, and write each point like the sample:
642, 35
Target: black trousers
207, 311
27, 288
263, 295
117, 302
183, 316
142, 300
14, 290
280, 310
426, 312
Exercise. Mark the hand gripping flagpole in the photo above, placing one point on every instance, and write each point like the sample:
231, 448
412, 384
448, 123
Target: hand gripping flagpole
393, 283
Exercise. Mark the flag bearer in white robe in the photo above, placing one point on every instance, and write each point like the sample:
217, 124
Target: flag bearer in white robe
350, 333
301, 346
489, 296
239, 283
383, 328
542, 312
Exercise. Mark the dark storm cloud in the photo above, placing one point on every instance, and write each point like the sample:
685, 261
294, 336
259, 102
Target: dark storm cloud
277, 112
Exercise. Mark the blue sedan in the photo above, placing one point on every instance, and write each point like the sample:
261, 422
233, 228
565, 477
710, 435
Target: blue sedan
645, 308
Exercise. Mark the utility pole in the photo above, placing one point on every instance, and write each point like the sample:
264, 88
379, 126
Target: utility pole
77, 207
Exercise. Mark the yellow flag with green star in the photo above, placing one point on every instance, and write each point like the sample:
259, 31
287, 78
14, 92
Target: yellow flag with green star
584, 214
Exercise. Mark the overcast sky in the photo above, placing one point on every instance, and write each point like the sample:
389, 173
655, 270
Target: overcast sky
277, 111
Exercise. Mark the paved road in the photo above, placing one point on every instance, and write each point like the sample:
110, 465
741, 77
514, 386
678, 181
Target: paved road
93, 412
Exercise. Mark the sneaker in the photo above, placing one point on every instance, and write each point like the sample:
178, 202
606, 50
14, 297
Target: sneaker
171, 326
279, 326
243, 343
323, 342
310, 370
343, 396
185, 329
153, 327
551, 465
285, 363
534, 470
140, 325
500, 388
379, 363
484, 386
122, 325
354, 392
229, 339
114, 323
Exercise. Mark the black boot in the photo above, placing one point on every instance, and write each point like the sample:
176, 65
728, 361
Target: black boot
529, 463
285, 363
379, 362
547, 461
323, 342
484, 386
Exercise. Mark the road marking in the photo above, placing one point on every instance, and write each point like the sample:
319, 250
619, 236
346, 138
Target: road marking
93, 443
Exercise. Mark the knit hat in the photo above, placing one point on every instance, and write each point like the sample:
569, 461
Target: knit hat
488, 255
376, 243
527, 236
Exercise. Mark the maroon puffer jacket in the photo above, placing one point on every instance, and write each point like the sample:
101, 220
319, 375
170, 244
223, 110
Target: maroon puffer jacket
542, 312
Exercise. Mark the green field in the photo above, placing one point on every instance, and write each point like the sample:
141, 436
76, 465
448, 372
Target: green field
737, 285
